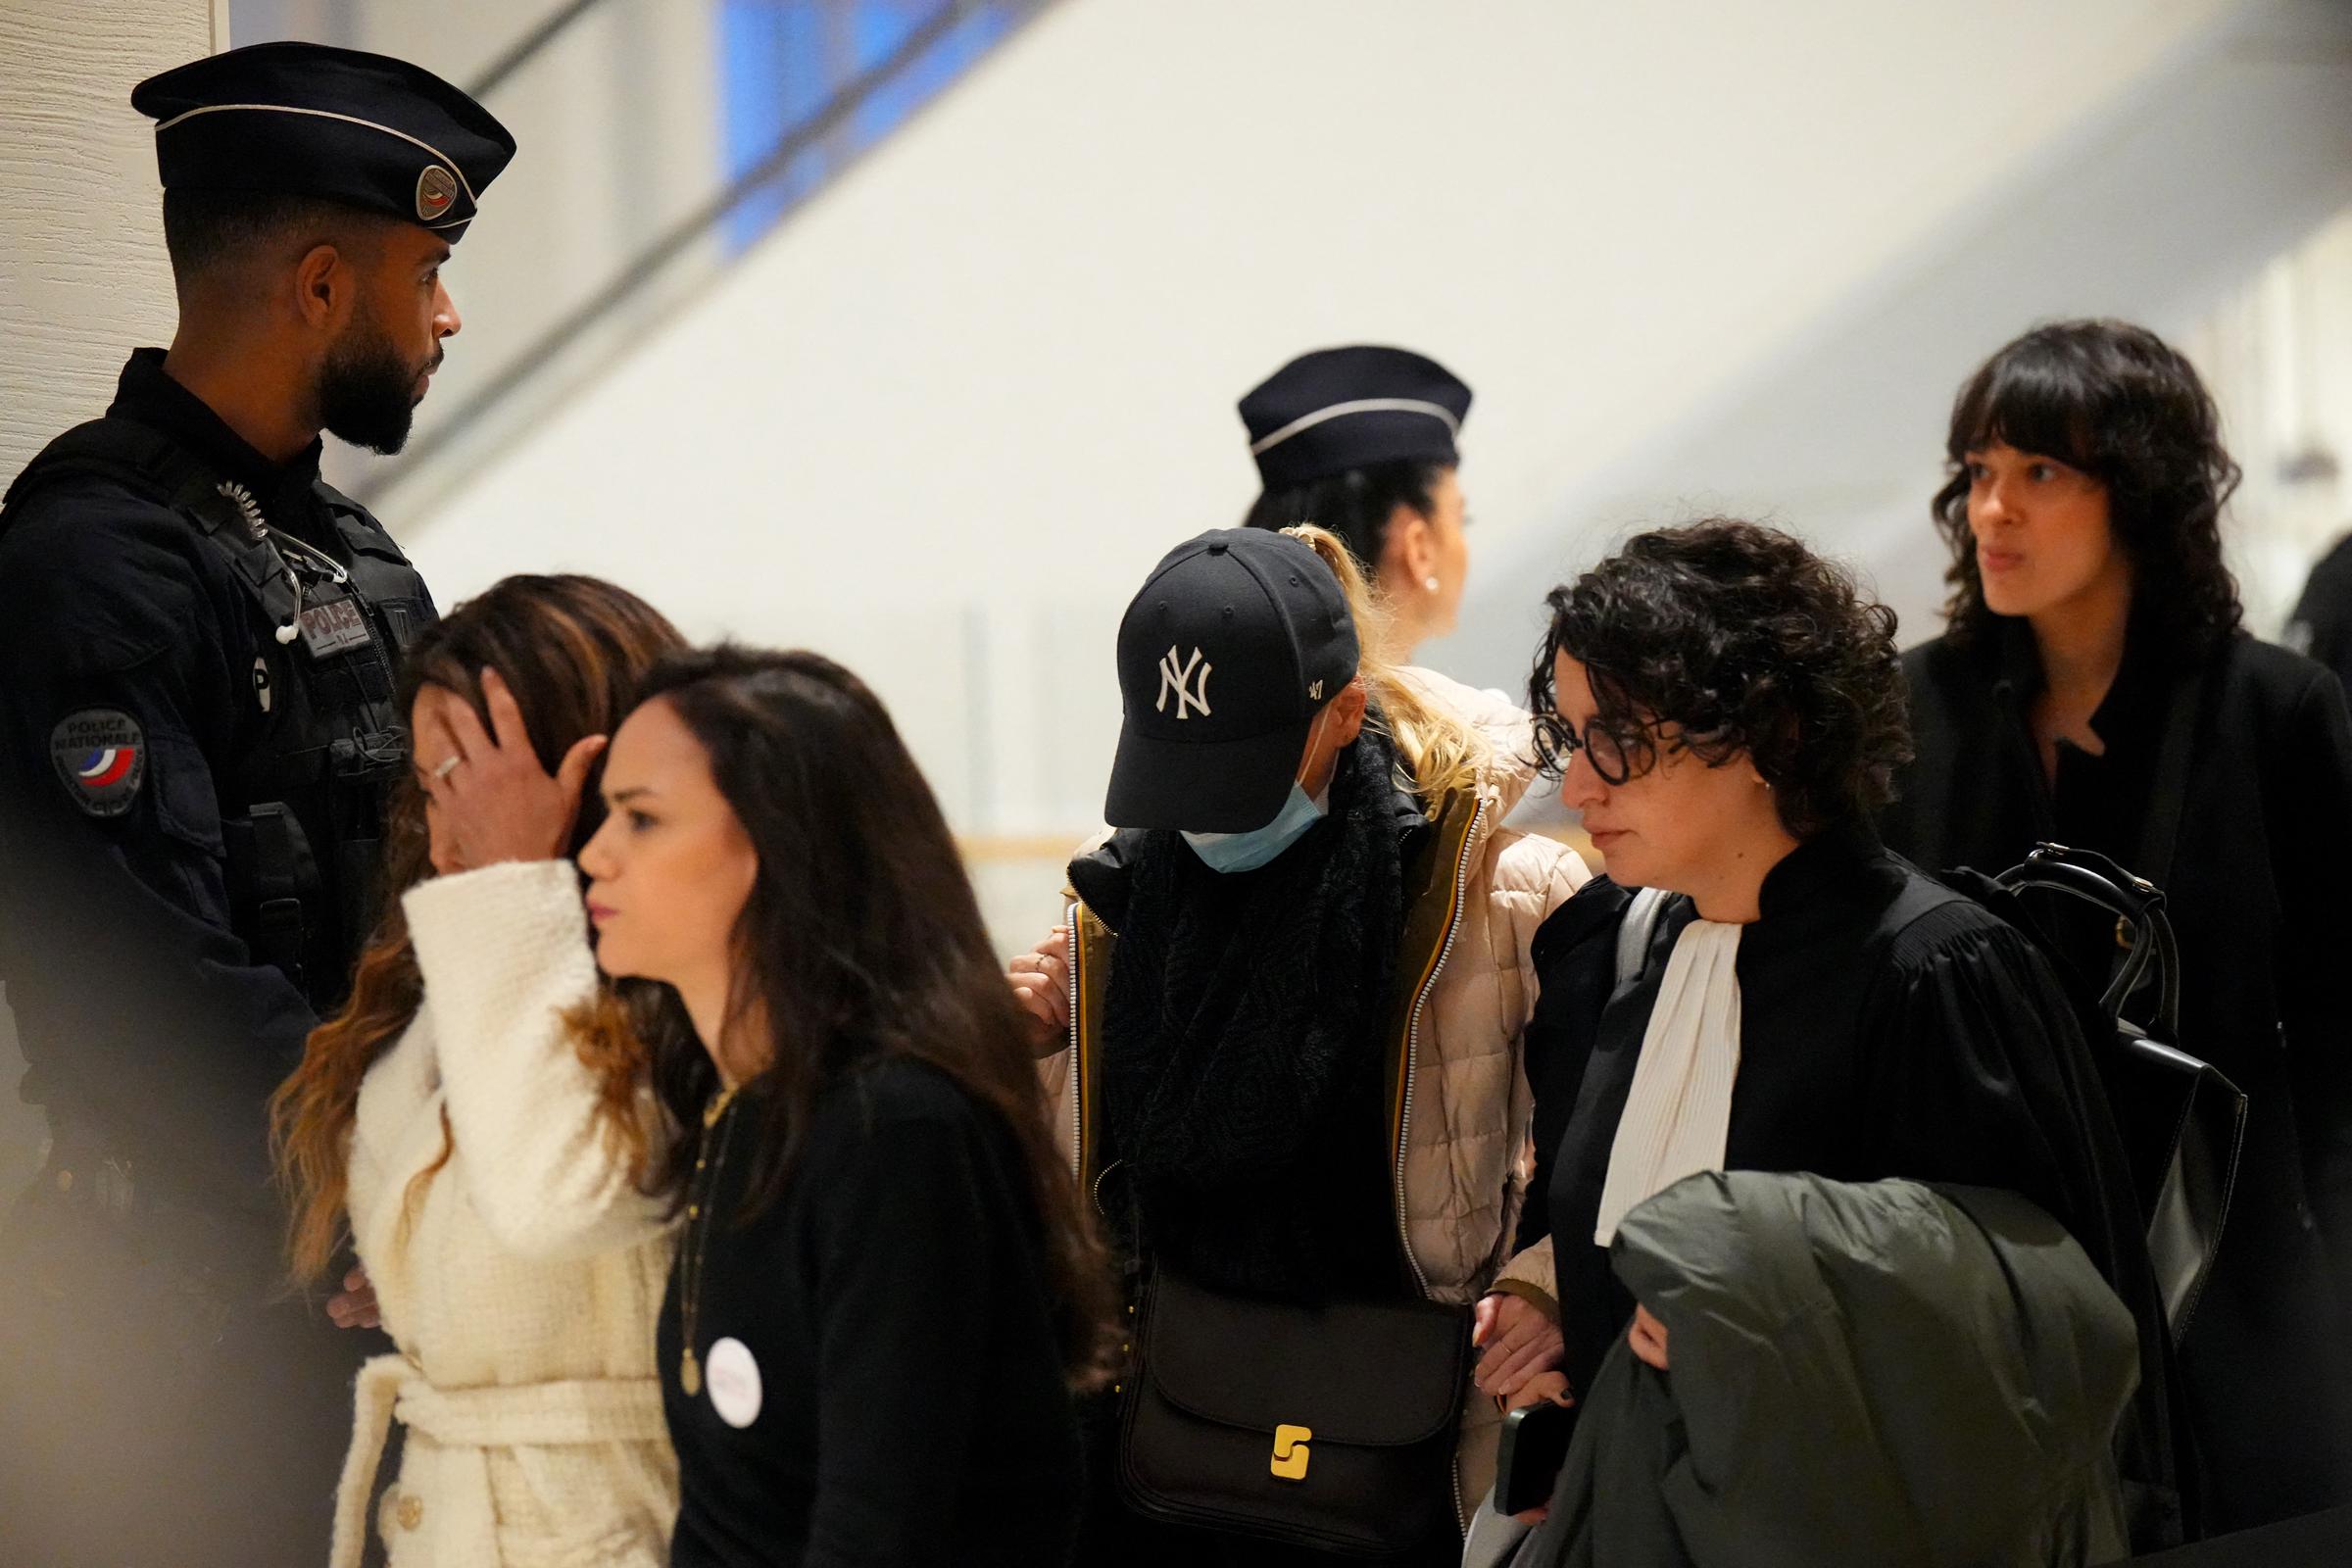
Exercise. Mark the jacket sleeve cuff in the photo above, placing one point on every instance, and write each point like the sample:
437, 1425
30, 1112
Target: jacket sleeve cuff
1535, 1295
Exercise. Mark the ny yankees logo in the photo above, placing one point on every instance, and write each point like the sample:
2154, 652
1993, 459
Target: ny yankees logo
1191, 688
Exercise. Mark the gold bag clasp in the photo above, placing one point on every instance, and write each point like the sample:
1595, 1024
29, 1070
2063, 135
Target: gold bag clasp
1290, 1452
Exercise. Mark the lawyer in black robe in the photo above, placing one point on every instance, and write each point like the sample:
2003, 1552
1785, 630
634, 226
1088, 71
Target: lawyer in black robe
1889, 1027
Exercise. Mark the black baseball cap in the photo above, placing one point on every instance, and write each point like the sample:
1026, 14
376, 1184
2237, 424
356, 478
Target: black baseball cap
1238, 639
311, 120
1333, 410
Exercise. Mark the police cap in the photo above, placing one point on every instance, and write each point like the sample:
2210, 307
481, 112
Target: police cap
1335, 410
306, 120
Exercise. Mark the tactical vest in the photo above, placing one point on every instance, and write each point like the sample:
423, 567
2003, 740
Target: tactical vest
320, 741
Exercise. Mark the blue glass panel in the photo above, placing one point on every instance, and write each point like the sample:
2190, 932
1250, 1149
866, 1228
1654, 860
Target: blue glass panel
772, 68
782, 60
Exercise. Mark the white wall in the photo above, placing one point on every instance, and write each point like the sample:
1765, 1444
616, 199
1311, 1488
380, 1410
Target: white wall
939, 425
616, 124
82, 274
2279, 354
953, 411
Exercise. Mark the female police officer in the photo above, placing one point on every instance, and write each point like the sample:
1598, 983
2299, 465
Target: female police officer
1359, 441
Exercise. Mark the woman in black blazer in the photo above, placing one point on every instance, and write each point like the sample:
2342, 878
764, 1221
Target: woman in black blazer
2094, 687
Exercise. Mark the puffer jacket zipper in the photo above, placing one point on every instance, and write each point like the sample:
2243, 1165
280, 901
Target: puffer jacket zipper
1412, 1037
1077, 1106
1404, 1120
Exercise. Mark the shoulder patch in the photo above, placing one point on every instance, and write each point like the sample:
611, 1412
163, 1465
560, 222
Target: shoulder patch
101, 755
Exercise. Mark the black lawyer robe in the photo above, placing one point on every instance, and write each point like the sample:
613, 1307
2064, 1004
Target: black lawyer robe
2257, 894
1889, 1027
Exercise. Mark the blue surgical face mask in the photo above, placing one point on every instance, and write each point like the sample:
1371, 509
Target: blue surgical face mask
1246, 852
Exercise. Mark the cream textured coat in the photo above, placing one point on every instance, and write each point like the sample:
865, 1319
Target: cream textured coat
522, 1280
1466, 1153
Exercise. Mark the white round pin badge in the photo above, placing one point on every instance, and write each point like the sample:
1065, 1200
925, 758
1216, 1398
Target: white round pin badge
733, 1379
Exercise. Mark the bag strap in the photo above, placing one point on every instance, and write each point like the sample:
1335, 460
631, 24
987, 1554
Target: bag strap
2096, 880
2159, 840
2160, 835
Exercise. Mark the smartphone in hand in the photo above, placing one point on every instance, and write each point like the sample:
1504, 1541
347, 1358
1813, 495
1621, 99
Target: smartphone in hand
1535, 1444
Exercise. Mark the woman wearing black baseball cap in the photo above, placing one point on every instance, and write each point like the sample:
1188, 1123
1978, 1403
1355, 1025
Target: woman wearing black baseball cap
1360, 441
1286, 1068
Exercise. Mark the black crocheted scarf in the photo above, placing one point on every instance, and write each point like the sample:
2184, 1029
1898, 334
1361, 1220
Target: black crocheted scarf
1243, 1058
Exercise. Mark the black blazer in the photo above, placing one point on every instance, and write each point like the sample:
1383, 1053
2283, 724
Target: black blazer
2261, 897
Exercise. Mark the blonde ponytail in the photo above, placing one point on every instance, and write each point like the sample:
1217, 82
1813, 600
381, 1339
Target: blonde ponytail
1441, 751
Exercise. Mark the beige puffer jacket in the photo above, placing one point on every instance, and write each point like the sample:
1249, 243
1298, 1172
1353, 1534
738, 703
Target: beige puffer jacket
1462, 1106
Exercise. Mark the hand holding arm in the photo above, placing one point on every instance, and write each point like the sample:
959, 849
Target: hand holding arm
354, 1306
1517, 1342
1041, 979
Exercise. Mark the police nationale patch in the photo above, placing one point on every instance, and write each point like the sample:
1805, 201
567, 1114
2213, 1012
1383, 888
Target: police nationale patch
101, 753
436, 188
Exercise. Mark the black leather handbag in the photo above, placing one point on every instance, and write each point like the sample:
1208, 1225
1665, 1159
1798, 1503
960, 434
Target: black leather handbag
1330, 1427
2183, 1122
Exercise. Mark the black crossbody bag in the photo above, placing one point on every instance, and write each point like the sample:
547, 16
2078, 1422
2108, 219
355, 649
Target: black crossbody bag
1329, 1427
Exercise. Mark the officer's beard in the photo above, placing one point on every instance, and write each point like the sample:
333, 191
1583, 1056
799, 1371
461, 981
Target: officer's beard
366, 392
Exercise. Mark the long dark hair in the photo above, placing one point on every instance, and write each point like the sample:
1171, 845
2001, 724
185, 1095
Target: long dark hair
1356, 506
861, 940
572, 650
2118, 403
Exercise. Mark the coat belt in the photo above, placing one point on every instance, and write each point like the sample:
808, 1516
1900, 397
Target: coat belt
466, 1424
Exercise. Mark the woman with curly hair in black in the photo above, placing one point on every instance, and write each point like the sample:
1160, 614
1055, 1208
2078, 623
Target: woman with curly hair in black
1727, 714
2094, 687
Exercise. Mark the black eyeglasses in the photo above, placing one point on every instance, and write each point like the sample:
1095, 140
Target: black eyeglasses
1614, 757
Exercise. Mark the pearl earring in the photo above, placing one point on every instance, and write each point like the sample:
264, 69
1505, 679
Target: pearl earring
1430, 582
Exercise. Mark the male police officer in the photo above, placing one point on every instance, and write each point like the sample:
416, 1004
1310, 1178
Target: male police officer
198, 730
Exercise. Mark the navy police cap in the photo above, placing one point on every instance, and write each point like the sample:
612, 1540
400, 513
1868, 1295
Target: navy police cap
1333, 410
306, 120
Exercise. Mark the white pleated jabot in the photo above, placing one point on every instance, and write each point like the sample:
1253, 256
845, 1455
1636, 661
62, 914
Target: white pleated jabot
1679, 1113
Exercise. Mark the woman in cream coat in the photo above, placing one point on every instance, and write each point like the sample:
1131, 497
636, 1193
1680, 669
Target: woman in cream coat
476, 1119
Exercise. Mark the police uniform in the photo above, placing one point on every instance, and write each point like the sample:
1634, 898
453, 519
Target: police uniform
199, 731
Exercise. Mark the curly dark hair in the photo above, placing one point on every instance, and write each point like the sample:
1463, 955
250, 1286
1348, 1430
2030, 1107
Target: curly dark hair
1739, 638
2118, 403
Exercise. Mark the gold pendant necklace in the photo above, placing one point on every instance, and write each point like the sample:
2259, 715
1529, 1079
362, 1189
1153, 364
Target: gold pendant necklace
697, 1238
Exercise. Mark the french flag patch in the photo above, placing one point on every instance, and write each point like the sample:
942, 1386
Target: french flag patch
101, 755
